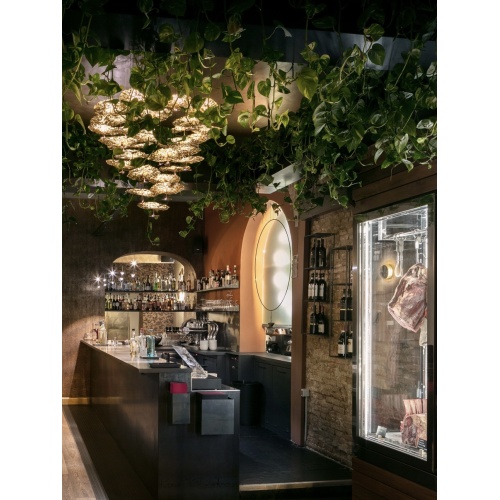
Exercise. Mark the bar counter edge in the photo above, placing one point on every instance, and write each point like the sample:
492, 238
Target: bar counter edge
181, 446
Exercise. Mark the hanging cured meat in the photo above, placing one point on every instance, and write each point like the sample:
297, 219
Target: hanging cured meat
408, 305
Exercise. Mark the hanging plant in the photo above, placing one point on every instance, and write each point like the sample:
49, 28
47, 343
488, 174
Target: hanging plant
357, 110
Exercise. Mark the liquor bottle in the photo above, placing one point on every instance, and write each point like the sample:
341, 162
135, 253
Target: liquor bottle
103, 334
227, 276
349, 345
322, 287
342, 316
313, 322
321, 321
134, 345
312, 255
348, 306
189, 283
234, 278
173, 283
341, 345
321, 259
147, 286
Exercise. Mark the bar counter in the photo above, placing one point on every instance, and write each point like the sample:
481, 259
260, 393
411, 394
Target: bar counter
183, 446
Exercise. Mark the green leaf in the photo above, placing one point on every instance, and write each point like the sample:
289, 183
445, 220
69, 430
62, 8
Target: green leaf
425, 124
194, 43
67, 112
265, 179
400, 143
278, 102
212, 32
307, 82
377, 155
244, 119
251, 90
377, 54
374, 32
264, 87
260, 110
231, 96
167, 33
230, 139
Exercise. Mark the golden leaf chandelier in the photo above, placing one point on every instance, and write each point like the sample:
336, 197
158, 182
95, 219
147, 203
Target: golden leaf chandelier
159, 178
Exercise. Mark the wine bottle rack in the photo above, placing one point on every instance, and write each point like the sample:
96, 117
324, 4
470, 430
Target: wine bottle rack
335, 269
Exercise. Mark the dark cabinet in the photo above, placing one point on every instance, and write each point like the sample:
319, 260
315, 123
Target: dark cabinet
239, 368
275, 411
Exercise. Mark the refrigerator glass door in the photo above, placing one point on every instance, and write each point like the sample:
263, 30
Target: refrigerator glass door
395, 336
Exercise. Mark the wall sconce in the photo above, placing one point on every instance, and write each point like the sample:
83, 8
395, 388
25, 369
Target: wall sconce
387, 271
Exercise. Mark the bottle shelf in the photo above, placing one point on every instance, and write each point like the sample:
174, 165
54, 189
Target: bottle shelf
215, 289
327, 262
149, 291
220, 309
141, 311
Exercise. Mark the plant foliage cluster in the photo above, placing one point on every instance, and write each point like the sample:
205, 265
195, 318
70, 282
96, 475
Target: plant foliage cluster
358, 109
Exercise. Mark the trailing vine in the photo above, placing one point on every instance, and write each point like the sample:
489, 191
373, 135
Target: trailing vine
357, 110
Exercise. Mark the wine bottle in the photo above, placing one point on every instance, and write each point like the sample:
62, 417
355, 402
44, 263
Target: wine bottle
348, 305
321, 259
341, 347
147, 286
310, 288
321, 321
349, 345
343, 299
312, 255
227, 276
322, 287
313, 322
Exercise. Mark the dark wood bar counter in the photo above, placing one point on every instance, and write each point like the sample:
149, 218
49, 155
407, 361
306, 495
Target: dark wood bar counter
182, 446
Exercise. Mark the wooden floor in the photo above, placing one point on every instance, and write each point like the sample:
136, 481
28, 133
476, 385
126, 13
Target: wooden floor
77, 467
270, 467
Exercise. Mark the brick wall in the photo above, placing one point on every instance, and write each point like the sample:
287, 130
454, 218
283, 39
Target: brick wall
328, 377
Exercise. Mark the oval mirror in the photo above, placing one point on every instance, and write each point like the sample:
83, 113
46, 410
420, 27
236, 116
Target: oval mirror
273, 257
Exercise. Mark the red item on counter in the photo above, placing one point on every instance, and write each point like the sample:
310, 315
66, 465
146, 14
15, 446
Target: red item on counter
178, 387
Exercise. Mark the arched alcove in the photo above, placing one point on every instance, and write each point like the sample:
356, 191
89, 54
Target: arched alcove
265, 234
160, 269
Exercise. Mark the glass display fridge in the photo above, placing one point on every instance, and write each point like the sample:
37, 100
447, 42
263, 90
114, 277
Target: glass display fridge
394, 363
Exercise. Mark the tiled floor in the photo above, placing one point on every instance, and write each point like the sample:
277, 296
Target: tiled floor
270, 467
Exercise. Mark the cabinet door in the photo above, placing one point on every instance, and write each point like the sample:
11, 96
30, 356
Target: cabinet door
232, 369
281, 400
264, 374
